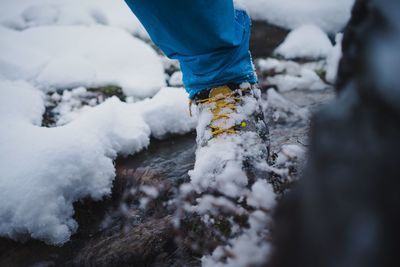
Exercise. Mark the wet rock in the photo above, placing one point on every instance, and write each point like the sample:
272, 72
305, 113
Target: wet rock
344, 212
141, 245
136, 178
64, 105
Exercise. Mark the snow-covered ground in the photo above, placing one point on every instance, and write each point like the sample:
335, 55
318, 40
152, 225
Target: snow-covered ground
329, 15
56, 51
23, 14
45, 170
60, 57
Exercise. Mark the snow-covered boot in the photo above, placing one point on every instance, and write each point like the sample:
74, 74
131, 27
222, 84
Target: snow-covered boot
232, 138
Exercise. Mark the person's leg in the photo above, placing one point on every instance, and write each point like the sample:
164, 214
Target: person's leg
208, 37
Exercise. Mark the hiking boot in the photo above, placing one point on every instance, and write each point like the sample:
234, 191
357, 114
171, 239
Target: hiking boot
230, 110
232, 138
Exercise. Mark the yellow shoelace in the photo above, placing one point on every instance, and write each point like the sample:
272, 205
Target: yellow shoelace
221, 101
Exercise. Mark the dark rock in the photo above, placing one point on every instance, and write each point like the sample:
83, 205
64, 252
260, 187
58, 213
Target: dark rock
344, 212
265, 38
137, 246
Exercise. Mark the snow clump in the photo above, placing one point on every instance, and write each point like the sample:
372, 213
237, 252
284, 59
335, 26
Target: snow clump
60, 57
24, 14
307, 41
290, 75
45, 170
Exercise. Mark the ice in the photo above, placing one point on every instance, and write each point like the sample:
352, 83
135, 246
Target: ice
329, 15
60, 57
45, 170
307, 41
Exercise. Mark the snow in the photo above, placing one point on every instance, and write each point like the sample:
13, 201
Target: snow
63, 48
248, 249
69, 104
61, 166
219, 161
173, 102
54, 51
45, 170
175, 118
329, 15
290, 75
176, 79
333, 59
223, 185
59, 57
23, 14
282, 110
262, 195
289, 152
307, 41
219, 158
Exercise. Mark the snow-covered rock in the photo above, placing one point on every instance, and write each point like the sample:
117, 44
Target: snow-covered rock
290, 75
329, 15
59, 57
44, 170
307, 41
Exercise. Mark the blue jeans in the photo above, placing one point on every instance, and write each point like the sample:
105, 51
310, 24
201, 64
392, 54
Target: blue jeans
208, 37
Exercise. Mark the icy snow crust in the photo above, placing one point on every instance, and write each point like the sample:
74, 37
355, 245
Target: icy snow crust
329, 15
45, 170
